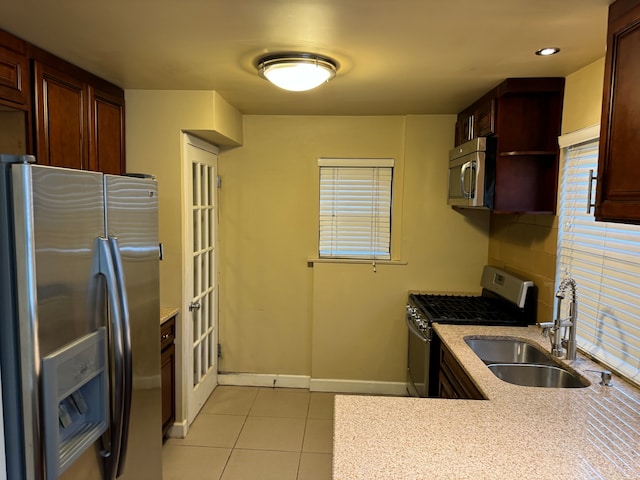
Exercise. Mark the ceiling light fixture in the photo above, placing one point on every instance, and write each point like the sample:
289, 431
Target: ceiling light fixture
545, 52
297, 72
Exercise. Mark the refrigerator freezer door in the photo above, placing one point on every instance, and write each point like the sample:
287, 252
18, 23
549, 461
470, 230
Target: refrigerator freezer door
132, 219
58, 215
68, 216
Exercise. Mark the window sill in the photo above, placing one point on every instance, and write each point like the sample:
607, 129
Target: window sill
355, 261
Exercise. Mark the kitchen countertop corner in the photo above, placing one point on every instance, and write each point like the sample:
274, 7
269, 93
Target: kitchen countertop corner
517, 432
167, 312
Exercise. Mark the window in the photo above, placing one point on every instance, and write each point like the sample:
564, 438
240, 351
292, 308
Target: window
604, 260
355, 208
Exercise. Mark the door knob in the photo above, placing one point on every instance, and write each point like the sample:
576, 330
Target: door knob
194, 306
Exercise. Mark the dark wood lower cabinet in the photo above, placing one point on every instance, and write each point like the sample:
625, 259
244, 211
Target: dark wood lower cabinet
453, 381
168, 373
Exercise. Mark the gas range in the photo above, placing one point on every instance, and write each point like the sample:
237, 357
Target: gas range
506, 300
467, 310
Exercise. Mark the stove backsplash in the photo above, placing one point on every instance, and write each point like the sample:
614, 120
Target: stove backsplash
526, 245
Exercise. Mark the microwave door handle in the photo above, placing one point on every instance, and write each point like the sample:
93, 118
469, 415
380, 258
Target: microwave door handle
463, 170
472, 179
463, 174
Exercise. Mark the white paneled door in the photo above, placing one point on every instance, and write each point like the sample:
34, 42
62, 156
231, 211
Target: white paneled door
201, 286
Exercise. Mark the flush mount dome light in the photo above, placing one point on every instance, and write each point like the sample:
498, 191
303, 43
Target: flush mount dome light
545, 52
297, 72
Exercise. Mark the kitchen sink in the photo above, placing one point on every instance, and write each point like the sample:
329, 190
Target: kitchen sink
537, 375
522, 363
507, 350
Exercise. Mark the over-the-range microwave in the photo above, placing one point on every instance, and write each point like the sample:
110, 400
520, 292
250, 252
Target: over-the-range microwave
472, 174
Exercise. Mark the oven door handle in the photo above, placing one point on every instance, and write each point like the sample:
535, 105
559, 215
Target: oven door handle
413, 330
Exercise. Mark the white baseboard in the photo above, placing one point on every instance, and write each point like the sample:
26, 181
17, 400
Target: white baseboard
358, 386
263, 380
178, 430
313, 384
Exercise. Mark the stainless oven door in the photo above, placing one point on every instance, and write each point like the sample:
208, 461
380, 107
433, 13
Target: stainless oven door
418, 361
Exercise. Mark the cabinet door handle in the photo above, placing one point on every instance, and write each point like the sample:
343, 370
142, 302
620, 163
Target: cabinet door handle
592, 177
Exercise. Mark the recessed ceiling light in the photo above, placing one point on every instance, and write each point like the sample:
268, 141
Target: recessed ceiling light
545, 52
297, 71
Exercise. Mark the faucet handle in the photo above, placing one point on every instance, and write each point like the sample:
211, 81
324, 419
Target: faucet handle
605, 377
545, 326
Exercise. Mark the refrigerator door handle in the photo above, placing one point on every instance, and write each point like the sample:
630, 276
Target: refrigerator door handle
126, 350
108, 270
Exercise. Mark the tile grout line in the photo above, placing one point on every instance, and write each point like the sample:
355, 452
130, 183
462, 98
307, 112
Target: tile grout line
244, 422
304, 434
252, 405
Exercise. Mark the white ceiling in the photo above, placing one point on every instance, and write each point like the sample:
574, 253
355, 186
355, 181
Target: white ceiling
395, 56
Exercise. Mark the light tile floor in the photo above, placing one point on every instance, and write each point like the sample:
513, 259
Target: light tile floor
251, 433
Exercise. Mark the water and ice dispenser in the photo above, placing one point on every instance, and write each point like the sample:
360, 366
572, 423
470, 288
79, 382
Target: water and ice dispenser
75, 400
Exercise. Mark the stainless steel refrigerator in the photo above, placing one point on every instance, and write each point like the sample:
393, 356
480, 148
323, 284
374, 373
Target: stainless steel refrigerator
80, 326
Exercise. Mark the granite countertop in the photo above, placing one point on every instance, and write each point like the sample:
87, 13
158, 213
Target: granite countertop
166, 313
517, 433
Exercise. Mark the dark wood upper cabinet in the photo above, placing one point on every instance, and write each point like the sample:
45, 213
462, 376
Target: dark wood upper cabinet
525, 116
106, 132
61, 118
14, 72
79, 117
68, 117
15, 96
478, 120
618, 190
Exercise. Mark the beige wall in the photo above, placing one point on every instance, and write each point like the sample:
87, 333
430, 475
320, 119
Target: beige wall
280, 315
583, 97
155, 121
527, 243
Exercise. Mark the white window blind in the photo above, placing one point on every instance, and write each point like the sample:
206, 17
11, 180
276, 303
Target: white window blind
355, 208
604, 260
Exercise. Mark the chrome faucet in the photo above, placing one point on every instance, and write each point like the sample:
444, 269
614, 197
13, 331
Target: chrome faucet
553, 329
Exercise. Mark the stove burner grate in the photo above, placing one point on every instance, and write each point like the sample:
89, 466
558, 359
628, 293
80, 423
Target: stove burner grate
464, 309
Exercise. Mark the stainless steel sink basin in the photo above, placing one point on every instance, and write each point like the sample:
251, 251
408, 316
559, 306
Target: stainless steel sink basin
521, 363
537, 375
507, 350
